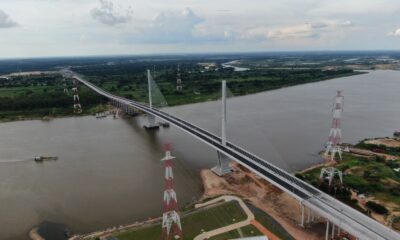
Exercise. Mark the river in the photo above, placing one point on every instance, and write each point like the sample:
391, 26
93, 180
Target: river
109, 171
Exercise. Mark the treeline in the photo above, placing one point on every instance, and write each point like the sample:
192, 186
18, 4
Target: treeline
41, 100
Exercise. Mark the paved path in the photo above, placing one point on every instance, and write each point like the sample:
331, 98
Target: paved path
218, 231
264, 230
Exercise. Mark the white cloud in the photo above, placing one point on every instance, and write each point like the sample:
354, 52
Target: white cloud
354, 7
107, 14
168, 27
65, 27
296, 31
395, 33
6, 21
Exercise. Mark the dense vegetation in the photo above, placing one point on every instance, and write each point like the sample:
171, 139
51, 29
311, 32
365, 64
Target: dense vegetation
25, 96
370, 176
38, 96
198, 85
379, 148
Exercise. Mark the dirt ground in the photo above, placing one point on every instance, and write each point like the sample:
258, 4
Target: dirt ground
389, 142
368, 153
278, 204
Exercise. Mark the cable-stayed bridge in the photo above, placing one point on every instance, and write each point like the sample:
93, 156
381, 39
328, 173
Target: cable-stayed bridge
338, 215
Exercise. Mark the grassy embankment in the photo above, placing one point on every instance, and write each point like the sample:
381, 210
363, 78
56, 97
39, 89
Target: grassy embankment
194, 222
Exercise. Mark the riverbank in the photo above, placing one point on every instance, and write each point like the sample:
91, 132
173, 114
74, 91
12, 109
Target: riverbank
253, 211
283, 208
223, 218
52, 102
63, 113
370, 182
34, 235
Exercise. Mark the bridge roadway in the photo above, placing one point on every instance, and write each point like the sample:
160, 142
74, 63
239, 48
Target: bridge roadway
343, 216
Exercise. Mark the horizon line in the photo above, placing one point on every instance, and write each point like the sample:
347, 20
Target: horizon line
194, 53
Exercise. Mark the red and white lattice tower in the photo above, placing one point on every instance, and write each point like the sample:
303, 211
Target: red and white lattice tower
77, 103
335, 136
171, 223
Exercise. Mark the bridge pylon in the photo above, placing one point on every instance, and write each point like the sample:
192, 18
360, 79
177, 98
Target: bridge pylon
65, 86
329, 173
223, 161
151, 119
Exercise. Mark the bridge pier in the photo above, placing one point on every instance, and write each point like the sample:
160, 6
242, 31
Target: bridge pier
151, 122
332, 230
307, 216
223, 165
327, 230
302, 215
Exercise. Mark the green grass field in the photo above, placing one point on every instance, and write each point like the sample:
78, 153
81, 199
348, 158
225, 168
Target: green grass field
193, 223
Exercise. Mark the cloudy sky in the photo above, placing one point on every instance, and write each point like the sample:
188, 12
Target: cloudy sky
35, 28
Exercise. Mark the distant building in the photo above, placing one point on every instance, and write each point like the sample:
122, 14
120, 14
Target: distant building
208, 66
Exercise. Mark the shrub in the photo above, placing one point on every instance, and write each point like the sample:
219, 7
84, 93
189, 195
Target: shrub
376, 207
392, 164
380, 159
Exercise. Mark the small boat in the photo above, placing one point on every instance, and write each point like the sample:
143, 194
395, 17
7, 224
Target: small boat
396, 133
41, 158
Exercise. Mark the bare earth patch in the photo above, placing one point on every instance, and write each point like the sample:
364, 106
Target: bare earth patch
278, 204
389, 142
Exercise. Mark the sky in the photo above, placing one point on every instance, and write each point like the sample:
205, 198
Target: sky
41, 28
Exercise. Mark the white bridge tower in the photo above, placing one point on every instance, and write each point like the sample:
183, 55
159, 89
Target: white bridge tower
151, 119
223, 161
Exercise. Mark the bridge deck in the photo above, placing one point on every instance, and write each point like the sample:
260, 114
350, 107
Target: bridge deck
326, 206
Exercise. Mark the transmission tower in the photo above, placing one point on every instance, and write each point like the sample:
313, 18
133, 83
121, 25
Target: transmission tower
335, 135
171, 223
178, 81
77, 104
330, 173
65, 86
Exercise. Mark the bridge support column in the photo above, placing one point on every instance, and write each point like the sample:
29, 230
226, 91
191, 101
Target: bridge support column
309, 216
223, 161
302, 215
151, 122
327, 230
333, 231
223, 165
